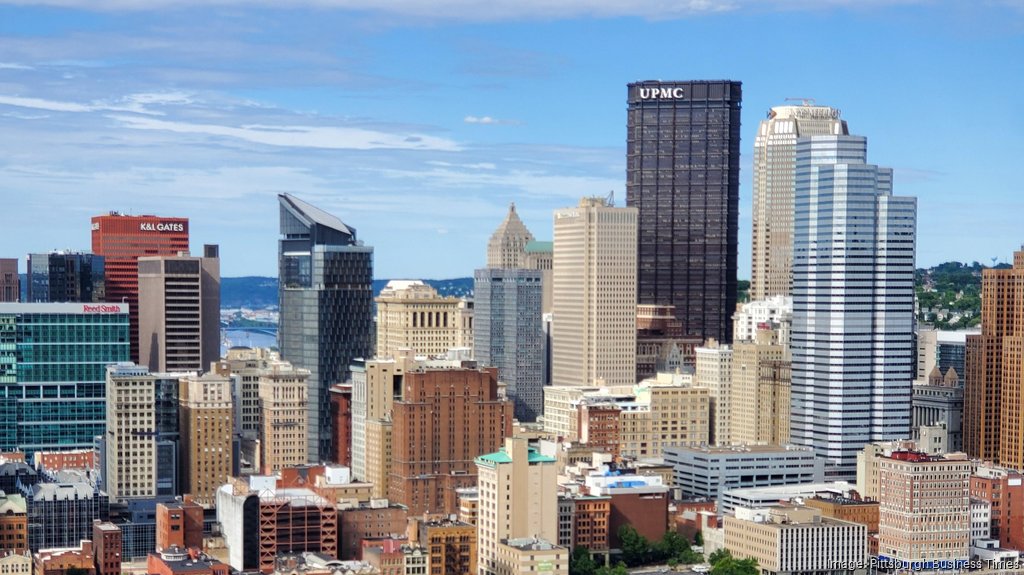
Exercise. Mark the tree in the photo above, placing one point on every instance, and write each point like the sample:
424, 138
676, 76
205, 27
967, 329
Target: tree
581, 563
723, 563
636, 550
619, 569
698, 539
675, 546
718, 556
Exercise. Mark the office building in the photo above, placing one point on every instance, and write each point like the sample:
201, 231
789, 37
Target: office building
179, 324
774, 186
775, 312
375, 383
179, 524
797, 540
206, 424
760, 398
432, 453
993, 408
707, 472
869, 465
10, 281
853, 337
131, 433
507, 247
661, 343
765, 497
452, 545
682, 174
594, 295
541, 256
121, 240
61, 514
13, 522
1003, 492
341, 423
714, 372
376, 519
66, 276
942, 349
53, 360
509, 334
636, 500
517, 473
853, 508
106, 540
326, 300
16, 562
78, 558
411, 315
924, 516
940, 401
282, 393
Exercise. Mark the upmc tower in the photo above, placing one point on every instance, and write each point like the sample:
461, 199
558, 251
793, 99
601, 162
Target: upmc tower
122, 240
682, 173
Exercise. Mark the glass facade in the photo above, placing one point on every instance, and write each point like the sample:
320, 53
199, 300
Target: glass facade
326, 302
53, 359
682, 173
66, 277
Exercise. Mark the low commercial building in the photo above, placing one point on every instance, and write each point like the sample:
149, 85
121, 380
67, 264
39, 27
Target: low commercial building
376, 519
59, 561
531, 555
15, 563
707, 472
635, 500
451, 544
177, 561
13, 523
763, 497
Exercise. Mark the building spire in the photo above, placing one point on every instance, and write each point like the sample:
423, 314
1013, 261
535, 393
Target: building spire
507, 246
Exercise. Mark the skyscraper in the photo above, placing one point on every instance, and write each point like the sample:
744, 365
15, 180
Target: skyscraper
411, 315
853, 303
993, 424
507, 246
206, 420
509, 334
63, 276
682, 174
594, 307
10, 281
179, 325
130, 439
326, 294
121, 240
774, 169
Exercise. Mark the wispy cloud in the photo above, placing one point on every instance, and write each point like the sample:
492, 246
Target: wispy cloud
13, 66
64, 106
490, 121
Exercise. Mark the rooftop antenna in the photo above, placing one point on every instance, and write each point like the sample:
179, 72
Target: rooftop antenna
610, 200
803, 101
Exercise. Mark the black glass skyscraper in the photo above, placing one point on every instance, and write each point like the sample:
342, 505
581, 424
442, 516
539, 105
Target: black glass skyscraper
326, 297
682, 173
62, 277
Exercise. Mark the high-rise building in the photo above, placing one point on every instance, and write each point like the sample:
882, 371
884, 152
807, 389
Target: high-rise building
61, 514
714, 372
53, 361
661, 344
682, 174
179, 325
326, 301
924, 515
411, 315
121, 240
10, 281
509, 334
64, 276
375, 384
131, 433
853, 303
432, 454
774, 183
993, 403
760, 398
206, 427
594, 300
168, 433
282, 391
518, 505
507, 246
541, 256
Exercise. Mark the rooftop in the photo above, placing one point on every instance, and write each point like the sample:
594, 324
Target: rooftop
531, 544
536, 247
503, 457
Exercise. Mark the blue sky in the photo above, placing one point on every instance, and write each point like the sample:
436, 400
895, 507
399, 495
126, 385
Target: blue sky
418, 121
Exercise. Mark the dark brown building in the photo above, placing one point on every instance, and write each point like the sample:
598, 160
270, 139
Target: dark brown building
445, 418
375, 520
106, 540
13, 523
993, 423
452, 546
10, 281
341, 424
179, 524
646, 512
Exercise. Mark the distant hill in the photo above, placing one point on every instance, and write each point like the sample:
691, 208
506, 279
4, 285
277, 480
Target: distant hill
949, 294
256, 292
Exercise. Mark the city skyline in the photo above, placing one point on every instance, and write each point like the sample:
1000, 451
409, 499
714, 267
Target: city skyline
428, 130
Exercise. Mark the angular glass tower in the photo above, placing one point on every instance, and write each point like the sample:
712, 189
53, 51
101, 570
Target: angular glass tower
326, 301
853, 303
682, 173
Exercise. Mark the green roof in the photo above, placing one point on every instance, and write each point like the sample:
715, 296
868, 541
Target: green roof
502, 457
533, 247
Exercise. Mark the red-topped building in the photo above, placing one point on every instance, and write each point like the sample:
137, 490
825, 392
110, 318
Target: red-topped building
121, 239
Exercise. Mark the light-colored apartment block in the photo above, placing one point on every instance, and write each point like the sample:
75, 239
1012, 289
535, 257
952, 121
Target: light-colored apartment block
714, 372
283, 405
130, 438
760, 398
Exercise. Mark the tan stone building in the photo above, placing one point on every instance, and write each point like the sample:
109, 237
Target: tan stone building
714, 372
760, 394
847, 509
130, 436
541, 256
993, 423
796, 540
411, 315
283, 406
924, 513
507, 246
668, 411
205, 419
452, 546
179, 311
374, 383
594, 295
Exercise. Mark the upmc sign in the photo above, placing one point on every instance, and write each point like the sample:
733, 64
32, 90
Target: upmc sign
161, 227
102, 308
660, 93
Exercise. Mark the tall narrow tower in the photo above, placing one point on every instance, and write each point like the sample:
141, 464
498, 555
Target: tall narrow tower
682, 174
326, 300
774, 183
853, 303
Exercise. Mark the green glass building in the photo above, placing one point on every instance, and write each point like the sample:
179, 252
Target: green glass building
53, 359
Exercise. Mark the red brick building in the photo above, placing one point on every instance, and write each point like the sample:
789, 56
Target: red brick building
599, 427
444, 419
106, 538
65, 460
59, 561
121, 240
1003, 489
179, 524
376, 520
341, 423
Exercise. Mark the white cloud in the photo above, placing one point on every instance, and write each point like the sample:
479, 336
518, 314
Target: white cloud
488, 120
63, 106
326, 137
14, 66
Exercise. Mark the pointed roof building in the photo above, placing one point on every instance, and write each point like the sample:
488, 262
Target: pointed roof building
507, 247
